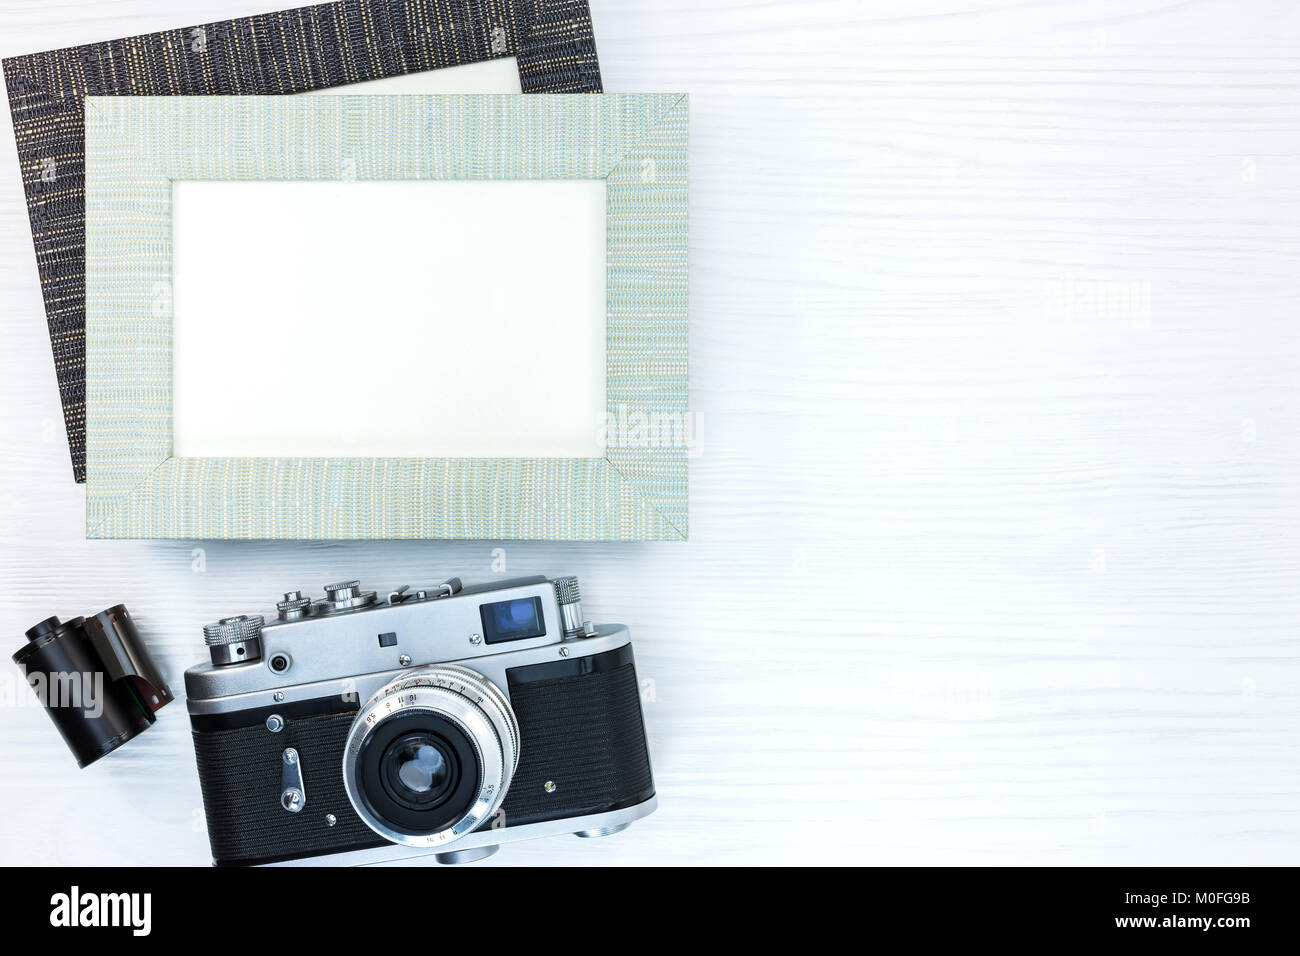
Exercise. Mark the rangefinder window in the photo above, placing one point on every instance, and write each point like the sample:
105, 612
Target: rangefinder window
512, 620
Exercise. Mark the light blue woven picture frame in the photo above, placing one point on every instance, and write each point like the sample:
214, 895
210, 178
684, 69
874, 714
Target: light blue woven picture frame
137, 146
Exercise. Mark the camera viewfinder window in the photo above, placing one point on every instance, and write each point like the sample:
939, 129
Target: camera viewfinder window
512, 620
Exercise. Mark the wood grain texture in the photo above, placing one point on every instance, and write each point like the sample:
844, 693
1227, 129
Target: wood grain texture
995, 538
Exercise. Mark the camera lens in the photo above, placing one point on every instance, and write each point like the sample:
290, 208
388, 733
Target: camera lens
422, 768
430, 756
418, 770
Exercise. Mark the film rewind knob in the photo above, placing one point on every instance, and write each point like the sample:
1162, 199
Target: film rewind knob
569, 597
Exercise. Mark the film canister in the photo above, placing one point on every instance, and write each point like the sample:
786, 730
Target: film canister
95, 680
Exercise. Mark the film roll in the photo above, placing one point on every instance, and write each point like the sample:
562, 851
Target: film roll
95, 680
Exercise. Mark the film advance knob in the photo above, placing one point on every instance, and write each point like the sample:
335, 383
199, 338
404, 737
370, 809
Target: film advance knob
233, 640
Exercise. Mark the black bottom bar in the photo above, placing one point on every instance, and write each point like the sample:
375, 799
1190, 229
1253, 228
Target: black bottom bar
301, 906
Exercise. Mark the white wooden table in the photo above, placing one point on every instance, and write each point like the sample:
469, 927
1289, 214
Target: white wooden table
995, 538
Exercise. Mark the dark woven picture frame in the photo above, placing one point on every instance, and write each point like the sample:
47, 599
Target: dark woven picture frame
290, 51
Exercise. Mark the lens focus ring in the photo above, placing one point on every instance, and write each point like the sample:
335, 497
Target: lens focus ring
426, 697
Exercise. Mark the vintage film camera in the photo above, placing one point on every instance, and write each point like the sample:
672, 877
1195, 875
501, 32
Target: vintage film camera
449, 721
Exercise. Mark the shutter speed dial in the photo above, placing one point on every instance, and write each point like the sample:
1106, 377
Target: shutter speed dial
343, 596
342, 591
